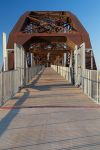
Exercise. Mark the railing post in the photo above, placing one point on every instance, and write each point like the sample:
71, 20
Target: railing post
76, 64
5, 53
15, 56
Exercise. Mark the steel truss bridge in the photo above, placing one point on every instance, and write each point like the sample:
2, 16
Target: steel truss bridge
49, 85
51, 38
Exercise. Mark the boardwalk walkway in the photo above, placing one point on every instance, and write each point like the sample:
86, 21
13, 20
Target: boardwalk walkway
50, 114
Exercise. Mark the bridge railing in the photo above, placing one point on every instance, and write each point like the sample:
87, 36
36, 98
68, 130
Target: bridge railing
90, 83
9, 84
63, 71
31, 72
89, 80
10, 81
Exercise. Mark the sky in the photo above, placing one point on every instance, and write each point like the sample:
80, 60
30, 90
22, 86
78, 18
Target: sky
87, 11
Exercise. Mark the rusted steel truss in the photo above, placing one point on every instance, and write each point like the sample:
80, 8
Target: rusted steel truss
49, 34
48, 23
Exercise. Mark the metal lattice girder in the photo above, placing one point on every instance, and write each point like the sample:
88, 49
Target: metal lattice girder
33, 24
40, 32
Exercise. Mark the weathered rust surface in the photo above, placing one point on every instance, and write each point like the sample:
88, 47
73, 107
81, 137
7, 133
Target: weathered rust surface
11, 60
48, 29
77, 37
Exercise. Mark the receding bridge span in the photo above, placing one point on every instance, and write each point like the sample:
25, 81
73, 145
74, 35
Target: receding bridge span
49, 85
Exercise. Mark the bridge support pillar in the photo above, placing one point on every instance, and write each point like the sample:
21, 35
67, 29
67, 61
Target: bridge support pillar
91, 60
48, 58
71, 58
82, 48
76, 64
5, 53
15, 56
80, 63
65, 57
31, 59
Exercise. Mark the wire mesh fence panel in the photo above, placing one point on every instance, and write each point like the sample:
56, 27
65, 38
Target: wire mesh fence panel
34, 71
16, 82
12, 87
82, 80
63, 71
89, 80
7, 85
10, 81
31, 72
89, 84
60, 69
94, 84
27, 75
86, 81
67, 73
22, 76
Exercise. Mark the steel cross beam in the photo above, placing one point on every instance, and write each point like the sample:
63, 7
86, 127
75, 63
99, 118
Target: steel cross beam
52, 27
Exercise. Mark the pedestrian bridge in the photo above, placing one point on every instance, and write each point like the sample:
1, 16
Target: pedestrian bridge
49, 113
49, 85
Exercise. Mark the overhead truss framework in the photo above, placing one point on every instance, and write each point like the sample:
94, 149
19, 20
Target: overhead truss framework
50, 34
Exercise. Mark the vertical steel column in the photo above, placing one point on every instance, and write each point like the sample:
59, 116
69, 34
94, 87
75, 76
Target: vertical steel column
65, 57
76, 64
83, 56
31, 59
15, 57
5, 53
48, 58
71, 58
71, 67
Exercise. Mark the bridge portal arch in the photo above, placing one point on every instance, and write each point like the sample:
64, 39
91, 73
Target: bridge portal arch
50, 36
